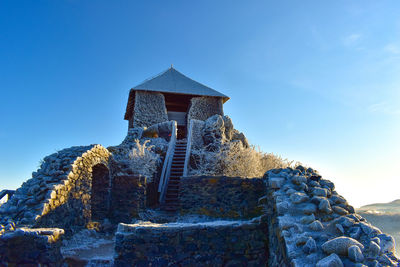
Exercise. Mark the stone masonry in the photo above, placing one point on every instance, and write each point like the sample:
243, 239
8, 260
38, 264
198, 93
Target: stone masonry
59, 193
221, 197
220, 243
201, 108
149, 109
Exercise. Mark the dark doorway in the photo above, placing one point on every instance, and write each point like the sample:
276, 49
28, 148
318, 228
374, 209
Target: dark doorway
177, 107
100, 192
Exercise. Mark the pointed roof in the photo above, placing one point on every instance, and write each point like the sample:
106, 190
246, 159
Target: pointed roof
174, 82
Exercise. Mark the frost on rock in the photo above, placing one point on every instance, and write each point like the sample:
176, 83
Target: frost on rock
317, 227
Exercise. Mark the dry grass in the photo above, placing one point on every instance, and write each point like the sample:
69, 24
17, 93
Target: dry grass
233, 159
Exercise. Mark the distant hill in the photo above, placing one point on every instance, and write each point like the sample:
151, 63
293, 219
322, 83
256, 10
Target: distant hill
382, 208
385, 216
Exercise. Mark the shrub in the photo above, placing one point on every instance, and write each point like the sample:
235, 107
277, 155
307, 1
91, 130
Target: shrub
234, 159
142, 160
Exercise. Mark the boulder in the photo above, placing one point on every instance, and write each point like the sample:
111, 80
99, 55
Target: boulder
340, 245
298, 197
387, 243
316, 226
310, 246
373, 250
324, 206
355, 254
332, 260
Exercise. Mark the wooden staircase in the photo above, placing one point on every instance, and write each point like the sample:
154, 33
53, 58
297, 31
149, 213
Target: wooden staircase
178, 162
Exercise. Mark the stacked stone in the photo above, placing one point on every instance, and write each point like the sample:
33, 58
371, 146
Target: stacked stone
221, 197
128, 197
312, 225
149, 109
232, 243
201, 108
63, 177
23, 246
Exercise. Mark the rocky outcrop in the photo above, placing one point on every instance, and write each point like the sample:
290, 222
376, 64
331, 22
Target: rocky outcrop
59, 192
311, 224
218, 130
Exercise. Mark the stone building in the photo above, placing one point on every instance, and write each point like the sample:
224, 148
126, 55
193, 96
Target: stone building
172, 96
288, 217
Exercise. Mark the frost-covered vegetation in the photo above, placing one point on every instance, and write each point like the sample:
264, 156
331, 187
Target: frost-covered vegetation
140, 156
143, 160
235, 159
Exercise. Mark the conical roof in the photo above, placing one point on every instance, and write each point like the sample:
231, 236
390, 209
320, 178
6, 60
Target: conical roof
174, 82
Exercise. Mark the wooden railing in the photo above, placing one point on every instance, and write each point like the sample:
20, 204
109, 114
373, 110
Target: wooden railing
7, 193
188, 147
162, 187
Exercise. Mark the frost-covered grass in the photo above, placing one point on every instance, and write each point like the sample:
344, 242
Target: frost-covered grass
234, 159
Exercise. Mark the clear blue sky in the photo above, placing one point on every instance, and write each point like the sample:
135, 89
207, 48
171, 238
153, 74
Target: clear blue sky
313, 81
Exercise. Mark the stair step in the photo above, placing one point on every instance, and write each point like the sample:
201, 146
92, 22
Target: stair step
172, 186
172, 190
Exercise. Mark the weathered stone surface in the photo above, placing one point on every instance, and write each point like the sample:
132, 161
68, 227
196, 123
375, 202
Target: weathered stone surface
340, 245
332, 260
307, 219
373, 250
298, 197
202, 108
31, 246
316, 226
128, 197
149, 109
321, 192
324, 206
63, 197
223, 197
355, 254
310, 246
387, 243
240, 243
340, 210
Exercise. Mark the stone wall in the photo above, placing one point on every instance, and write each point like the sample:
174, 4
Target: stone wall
128, 197
30, 247
310, 224
201, 108
149, 109
59, 192
220, 243
221, 197
197, 133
